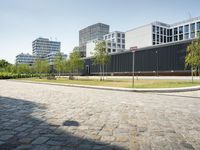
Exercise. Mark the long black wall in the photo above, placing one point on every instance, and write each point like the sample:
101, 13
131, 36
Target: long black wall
158, 59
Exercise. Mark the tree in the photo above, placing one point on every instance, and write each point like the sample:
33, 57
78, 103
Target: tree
101, 57
75, 62
23, 69
4, 64
41, 66
59, 63
192, 58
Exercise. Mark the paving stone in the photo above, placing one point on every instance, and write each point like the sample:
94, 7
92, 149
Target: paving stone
40, 140
5, 137
32, 115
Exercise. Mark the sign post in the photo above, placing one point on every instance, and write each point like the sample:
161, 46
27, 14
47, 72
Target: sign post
133, 49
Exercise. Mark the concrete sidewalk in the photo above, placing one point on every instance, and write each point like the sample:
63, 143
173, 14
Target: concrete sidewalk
139, 77
159, 90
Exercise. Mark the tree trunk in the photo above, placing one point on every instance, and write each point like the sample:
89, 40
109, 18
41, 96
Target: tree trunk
100, 72
192, 74
103, 72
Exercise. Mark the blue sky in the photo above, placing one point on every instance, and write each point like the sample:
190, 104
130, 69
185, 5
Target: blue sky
22, 21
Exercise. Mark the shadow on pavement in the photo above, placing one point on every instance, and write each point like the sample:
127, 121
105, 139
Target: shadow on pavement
19, 129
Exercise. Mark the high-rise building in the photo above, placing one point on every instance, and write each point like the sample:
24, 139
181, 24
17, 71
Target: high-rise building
43, 46
157, 33
93, 32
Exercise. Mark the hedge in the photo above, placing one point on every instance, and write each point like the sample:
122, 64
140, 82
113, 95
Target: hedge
6, 75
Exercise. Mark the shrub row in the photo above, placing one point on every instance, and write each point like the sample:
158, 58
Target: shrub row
5, 75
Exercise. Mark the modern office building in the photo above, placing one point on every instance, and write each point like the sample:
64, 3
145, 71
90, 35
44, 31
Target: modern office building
157, 33
25, 59
115, 41
51, 57
93, 32
43, 46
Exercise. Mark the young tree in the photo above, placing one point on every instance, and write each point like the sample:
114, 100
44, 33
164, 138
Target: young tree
23, 69
41, 66
59, 63
101, 57
75, 62
192, 58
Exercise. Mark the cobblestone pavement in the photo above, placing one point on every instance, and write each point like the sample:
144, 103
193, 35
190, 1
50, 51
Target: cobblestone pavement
38, 116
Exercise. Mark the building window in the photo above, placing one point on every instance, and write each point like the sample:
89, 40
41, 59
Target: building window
118, 40
186, 28
105, 37
153, 29
176, 38
123, 46
109, 44
109, 50
118, 35
165, 39
161, 30
123, 41
154, 43
113, 44
118, 46
181, 37
161, 39
175, 31
165, 31
180, 29
154, 37
186, 36
109, 36
157, 30
114, 50
198, 25
112, 35
192, 35
157, 38
123, 35
113, 40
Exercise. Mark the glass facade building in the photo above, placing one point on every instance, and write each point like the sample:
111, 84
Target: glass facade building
93, 32
43, 46
25, 59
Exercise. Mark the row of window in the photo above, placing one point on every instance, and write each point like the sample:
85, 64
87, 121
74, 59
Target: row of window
176, 30
119, 35
114, 45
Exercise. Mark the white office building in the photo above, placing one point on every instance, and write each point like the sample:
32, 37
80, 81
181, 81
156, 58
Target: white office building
115, 41
158, 33
25, 59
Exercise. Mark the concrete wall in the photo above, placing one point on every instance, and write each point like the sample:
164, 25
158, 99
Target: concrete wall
139, 37
90, 46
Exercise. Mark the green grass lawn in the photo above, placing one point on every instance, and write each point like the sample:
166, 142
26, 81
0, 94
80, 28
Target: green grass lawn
122, 83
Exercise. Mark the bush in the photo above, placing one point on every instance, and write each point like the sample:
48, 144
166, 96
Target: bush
7, 75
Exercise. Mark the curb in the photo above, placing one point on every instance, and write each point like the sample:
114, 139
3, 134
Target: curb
152, 90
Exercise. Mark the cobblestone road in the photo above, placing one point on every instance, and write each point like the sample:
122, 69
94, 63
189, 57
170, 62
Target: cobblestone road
37, 116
